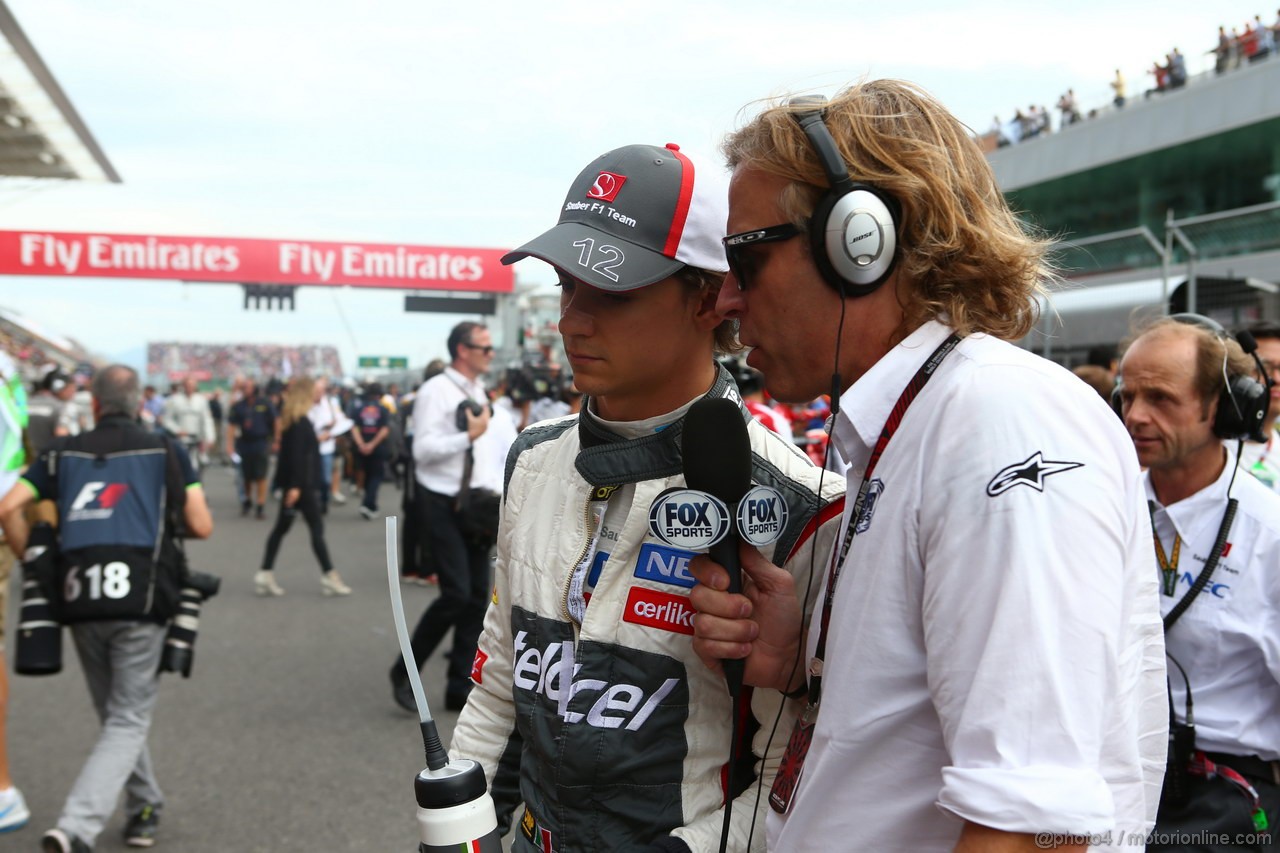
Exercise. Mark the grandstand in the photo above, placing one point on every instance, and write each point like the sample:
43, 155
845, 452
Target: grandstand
220, 363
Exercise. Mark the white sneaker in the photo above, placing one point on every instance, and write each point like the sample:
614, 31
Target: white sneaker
13, 810
338, 497
331, 584
265, 583
366, 513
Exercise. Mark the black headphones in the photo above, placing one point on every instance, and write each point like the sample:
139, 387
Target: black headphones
1243, 403
854, 228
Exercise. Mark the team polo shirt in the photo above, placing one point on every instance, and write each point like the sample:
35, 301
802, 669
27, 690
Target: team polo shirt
256, 420
995, 651
370, 419
1228, 640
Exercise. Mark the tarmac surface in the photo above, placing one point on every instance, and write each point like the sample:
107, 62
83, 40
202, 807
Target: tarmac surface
285, 738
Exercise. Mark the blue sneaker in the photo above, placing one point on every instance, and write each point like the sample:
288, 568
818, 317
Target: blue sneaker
13, 810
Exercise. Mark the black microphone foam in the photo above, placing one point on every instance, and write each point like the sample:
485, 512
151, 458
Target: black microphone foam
717, 460
716, 449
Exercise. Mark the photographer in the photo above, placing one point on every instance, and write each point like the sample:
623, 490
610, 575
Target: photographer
119, 584
459, 443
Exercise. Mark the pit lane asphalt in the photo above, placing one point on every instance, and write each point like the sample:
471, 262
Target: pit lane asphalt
285, 738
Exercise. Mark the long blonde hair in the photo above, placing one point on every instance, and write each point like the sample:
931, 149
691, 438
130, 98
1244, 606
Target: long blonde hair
966, 257
297, 400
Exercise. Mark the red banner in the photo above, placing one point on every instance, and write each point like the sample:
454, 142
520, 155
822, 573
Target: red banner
250, 261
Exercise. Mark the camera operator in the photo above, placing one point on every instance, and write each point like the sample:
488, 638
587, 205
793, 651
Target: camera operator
119, 583
452, 448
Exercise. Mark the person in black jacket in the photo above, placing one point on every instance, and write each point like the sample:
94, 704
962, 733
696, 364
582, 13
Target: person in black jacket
298, 475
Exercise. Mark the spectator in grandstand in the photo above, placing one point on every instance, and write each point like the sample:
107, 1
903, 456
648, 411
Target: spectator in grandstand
188, 417
1069, 108
251, 426
329, 421
1262, 459
50, 414
1266, 39
1177, 69
299, 477
1224, 53
372, 429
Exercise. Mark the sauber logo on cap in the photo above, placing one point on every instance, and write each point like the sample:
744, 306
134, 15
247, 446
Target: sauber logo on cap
606, 186
659, 610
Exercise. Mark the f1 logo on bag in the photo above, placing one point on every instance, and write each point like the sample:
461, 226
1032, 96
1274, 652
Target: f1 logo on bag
606, 186
110, 494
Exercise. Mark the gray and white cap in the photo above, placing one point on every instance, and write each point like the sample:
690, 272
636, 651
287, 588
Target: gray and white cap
635, 216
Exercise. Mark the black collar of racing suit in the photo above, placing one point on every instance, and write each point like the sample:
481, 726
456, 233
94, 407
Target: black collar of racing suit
608, 459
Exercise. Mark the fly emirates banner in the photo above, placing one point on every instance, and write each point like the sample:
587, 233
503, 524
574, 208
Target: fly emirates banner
253, 261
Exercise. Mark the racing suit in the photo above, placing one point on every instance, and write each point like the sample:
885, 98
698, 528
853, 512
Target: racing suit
604, 723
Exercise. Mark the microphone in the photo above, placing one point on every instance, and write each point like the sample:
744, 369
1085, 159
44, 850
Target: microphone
717, 460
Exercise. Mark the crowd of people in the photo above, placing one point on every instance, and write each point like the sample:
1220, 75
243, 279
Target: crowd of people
950, 636
1237, 47
223, 362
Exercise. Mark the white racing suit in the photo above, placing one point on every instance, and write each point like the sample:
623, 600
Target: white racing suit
613, 733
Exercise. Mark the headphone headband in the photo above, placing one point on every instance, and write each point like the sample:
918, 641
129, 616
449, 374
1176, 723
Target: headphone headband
853, 233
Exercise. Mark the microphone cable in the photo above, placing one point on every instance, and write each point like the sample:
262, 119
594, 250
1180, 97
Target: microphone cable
808, 589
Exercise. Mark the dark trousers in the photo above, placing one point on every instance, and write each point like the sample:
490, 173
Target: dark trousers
375, 468
415, 553
309, 506
1217, 817
463, 570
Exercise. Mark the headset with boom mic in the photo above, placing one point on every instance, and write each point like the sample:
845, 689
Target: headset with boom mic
854, 228
1242, 407
717, 460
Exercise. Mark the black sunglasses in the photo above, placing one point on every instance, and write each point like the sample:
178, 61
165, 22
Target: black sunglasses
487, 350
736, 244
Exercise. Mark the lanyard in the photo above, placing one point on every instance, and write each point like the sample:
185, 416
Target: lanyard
1168, 566
923, 375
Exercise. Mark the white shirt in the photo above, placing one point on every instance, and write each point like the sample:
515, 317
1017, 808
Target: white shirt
189, 415
327, 416
995, 652
1228, 640
439, 447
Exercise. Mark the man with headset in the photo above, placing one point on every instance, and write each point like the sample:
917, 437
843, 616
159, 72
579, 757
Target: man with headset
1185, 388
987, 671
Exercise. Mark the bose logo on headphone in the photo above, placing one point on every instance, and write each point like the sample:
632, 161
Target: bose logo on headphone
863, 250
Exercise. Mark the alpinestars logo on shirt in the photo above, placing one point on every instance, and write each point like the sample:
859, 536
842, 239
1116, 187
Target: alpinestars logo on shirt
1032, 472
553, 673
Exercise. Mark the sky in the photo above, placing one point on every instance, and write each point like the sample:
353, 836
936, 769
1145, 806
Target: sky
463, 124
